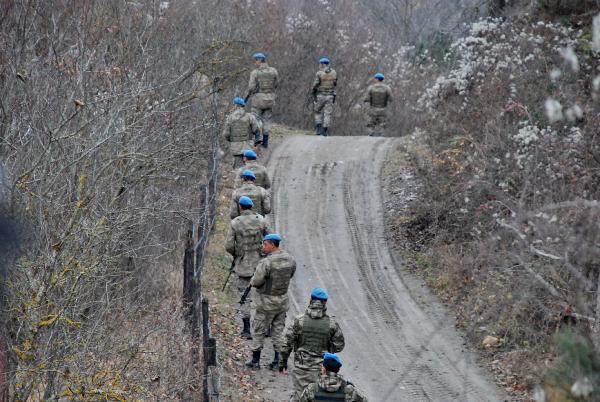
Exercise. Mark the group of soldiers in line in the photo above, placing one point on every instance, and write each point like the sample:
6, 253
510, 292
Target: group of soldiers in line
264, 271
244, 130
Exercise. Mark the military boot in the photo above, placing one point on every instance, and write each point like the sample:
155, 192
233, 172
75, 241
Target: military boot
255, 362
325, 130
318, 128
265, 140
246, 330
274, 365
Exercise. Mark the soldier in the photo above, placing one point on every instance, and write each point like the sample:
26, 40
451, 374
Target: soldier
323, 91
244, 241
242, 130
310, 335
250, 163
259, 196
331, 386
378, 97
271, 280
262, 86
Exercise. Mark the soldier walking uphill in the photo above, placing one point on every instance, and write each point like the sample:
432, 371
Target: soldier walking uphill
310, 335
323, 91
259, 196
377, 98
331, 386
242, 130
260, 172
271, 280
261, 87
244, 241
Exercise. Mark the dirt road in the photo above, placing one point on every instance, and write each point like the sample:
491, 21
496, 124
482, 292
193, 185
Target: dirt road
328, 207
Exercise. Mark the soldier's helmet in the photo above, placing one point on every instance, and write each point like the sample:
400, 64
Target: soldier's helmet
246, 201
319, 294
248, 175
250, 154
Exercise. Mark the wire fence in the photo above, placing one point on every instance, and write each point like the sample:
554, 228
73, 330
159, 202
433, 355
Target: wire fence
197, 306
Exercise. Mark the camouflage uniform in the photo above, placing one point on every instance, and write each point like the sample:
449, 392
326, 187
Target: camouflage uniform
241, 130
262, 177
262, 85
271, 279
324, 90
310, 335
244, 241
332, 387
378, 97
259, 196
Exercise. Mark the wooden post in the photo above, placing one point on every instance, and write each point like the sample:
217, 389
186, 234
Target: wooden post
188, 270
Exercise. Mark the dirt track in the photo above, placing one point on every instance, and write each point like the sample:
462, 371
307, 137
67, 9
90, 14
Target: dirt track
328, 207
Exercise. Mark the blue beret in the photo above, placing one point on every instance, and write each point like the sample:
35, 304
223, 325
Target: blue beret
379, 76
323, 60
250, 154
319, 293
272, 236
245, 200
332, 357
239, 101
259, 56
249, 174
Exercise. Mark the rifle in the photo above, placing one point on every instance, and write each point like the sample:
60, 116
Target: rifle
245, 295
229, 275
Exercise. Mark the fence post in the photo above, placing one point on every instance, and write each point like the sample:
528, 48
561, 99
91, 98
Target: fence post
188, 270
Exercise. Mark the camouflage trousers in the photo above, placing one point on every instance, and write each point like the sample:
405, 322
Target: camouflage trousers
265, 116
260, 325
376, 121
301, 377
242, 285
323, 109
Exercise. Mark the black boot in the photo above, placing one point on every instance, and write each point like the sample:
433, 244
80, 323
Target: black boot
325, 129
246, 331
265, 140
255, 362
274, 365
318, 129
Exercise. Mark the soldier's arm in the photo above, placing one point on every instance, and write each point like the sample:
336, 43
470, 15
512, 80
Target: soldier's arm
230, 242
267, 180
233, 209
316, 83
276, 82
290, 337
252, 85
260, 275
266, 202
308, 395
293, 266
356, 395
337, 342
389, 95
367, 98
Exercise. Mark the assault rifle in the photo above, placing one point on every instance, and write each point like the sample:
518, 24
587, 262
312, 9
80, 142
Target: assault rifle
245, 295
229, 274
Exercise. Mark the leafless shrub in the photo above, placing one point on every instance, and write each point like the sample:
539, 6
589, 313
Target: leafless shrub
106, 112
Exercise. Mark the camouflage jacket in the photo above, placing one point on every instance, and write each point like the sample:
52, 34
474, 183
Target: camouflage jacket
331, 383
378, 95
262, 177
239, 130
259, 196
305, 357
277, 263
244, 241
325, 81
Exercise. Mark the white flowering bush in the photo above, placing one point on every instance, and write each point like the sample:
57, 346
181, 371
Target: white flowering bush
511, 120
